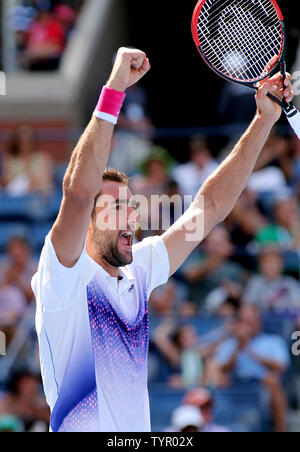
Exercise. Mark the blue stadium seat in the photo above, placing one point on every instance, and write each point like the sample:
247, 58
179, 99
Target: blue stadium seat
163, 401
280, 324
15, 208
158, 368
38, 234
240, 408
202, 324
54, 205
31, 208
158, 428
59, 173
243, 406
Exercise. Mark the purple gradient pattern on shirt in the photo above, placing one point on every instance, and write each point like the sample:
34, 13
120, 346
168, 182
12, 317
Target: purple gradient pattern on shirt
120, 351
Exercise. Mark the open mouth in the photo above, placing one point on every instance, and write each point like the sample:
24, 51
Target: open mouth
126, 239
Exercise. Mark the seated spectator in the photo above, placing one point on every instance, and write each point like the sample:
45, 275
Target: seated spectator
23, 401
212, 268
155, 173
189, 357
279, 153
18, 269
273, 171
21, 17
285, 231
186, 419
252, 355
193, 174
202, 398
25, 168
271, 291
13, 306
15, 285
128, 152
270, 179
154, 181
67, 17
224, 301
246, 220
46, 40
179, 346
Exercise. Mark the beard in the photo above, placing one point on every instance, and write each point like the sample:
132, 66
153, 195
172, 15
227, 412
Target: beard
108, 248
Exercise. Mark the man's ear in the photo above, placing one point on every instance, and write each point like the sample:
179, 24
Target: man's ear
91, 225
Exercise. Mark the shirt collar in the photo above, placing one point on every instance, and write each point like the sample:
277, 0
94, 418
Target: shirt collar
127, 278
125, 273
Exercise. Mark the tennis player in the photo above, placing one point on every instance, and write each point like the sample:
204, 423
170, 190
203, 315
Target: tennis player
92, 285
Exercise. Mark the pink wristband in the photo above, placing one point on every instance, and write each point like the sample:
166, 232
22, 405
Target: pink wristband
109, 105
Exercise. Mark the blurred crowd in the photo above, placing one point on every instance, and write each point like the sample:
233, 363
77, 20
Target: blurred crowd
221, 327
42, 29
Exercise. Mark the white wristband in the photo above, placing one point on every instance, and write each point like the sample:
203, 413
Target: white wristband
106, 117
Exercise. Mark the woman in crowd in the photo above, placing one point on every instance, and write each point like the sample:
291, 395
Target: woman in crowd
26, 169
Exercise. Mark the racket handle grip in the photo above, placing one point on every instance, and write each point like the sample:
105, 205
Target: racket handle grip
292, 114
294, 121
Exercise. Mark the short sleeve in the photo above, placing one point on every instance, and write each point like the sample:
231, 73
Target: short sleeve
152, 255
57, 287
279, 351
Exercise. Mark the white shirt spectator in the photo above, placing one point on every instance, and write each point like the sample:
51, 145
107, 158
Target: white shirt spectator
190, 178
269, 179
281, 295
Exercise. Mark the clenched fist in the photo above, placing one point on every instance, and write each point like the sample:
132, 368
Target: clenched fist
130, 66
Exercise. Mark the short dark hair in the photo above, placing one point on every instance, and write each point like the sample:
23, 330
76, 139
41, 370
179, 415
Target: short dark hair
111, 175
114, 175
18, 375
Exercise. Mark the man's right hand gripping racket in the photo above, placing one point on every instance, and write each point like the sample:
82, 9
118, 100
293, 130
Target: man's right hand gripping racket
239, 38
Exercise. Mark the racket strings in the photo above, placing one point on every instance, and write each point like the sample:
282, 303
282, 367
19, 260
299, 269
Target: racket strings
234, 62
256, 64
267, 10
237, 35
235, 14
234, 58
249, 55
240, 38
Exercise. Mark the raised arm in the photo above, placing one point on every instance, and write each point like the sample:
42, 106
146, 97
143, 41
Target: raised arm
221, 191
83, 179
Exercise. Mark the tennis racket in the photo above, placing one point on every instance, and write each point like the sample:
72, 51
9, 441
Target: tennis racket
239, 38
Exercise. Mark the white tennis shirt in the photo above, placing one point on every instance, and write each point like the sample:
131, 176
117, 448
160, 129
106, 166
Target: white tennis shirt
93, 338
